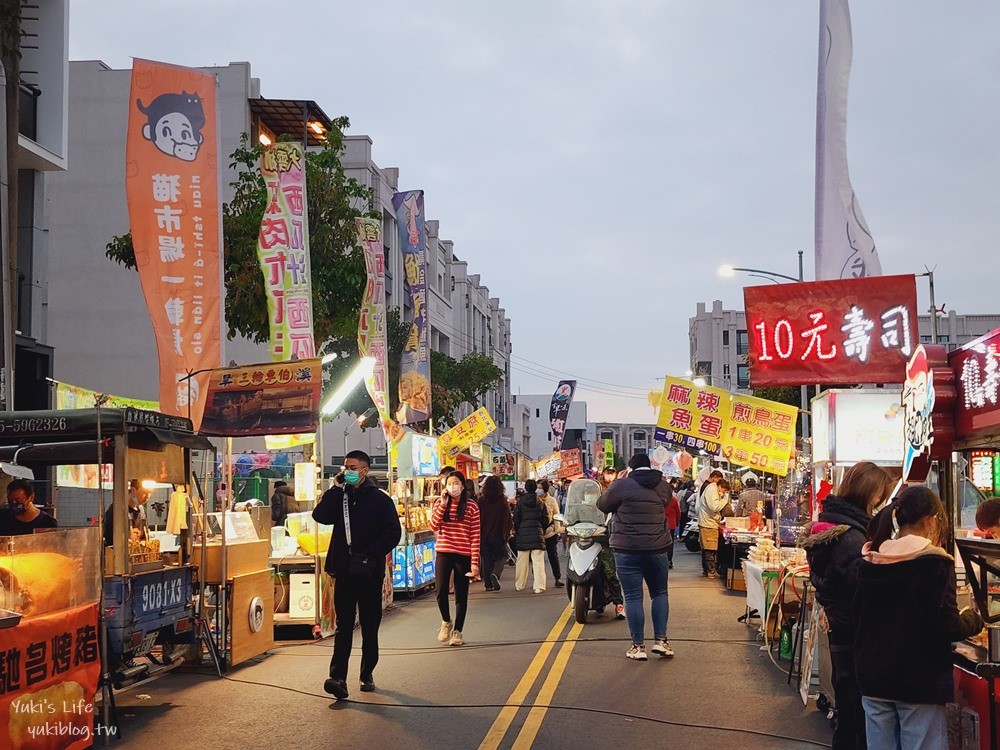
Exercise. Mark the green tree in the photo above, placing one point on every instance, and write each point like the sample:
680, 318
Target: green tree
783, 394
334, 201
455, 383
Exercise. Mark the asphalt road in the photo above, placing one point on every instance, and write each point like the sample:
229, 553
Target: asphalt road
563, 685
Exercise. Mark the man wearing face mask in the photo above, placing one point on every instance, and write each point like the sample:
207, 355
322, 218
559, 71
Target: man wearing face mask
21, 516
366, 528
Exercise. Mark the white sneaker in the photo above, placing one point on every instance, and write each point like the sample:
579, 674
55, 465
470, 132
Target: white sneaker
445, 632
539, 591
662, 647
456, 638
637, 652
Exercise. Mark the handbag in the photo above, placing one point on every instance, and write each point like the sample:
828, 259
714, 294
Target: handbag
359, 564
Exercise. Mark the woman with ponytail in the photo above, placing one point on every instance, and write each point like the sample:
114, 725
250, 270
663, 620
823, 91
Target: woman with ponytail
455, 518
906, 619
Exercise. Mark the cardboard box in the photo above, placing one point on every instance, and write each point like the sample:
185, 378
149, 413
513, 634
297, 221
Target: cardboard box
737, 582
302, 595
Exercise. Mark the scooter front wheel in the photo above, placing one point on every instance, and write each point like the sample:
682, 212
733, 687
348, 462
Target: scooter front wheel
581, 603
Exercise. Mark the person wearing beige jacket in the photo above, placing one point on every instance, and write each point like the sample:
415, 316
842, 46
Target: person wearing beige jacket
553, 532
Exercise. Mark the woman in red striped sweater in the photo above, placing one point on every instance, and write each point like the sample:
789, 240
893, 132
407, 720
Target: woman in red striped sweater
455, 518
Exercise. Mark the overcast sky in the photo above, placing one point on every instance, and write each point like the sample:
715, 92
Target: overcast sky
597, 160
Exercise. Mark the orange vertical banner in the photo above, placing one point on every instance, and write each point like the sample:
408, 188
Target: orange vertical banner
172, 184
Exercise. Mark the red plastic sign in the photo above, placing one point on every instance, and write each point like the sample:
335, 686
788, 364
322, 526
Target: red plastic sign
977, 378
829, 332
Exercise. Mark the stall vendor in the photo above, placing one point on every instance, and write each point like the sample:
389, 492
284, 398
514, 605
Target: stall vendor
136, 513
21, 516
988, 517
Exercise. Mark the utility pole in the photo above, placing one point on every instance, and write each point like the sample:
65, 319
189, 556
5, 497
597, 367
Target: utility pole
803, 389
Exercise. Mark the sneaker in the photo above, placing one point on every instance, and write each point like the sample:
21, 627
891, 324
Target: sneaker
539, 591
619, 611
496, 582
456, 638
336, 688
662, 647
637, 652
445, 632
559, 584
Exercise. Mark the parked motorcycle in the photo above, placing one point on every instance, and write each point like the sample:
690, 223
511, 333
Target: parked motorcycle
692, 536
586, 527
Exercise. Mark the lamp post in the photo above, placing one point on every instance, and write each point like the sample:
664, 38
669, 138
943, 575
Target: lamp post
729, 271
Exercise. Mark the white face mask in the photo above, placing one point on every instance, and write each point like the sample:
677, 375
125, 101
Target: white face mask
454, 491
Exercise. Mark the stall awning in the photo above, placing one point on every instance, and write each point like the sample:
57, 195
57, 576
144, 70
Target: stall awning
194, 442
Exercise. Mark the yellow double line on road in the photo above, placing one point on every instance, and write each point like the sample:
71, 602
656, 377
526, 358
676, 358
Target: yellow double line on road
539, 707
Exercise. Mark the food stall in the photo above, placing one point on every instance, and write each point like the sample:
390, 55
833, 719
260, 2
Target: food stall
148, 592
415, 489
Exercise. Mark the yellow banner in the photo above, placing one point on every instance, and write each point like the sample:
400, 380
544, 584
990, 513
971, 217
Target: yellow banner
473, 429
691, 416
760, 433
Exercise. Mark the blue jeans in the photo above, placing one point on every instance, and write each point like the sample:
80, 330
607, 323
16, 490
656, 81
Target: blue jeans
905, 726
633, 569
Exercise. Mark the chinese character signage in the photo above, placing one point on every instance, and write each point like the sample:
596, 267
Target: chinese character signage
977, 378
548, 466
749, 431
49, 674
283, 253
274, 398
562, 399
609, 452
825, 332
371, 325
415, 365
691, 416
473, 429
759, 433
570, 464
172, 184
504, 466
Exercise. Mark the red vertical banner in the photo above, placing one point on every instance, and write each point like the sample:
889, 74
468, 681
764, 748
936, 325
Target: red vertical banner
172, 185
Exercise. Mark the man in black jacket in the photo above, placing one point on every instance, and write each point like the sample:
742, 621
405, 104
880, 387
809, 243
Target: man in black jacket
357, 561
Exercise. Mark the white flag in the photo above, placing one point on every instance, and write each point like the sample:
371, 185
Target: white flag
845, 248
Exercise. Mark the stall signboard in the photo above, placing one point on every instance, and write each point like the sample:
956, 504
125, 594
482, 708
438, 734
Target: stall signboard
426, 462
598, 453
372, 330
928, 401
272, 398
690, 416
548, 466
981, 469
505, 466
826, 332
50, 673
609, 452
759, 433
172, 187
570, 464
977, 378
473, 429
861, 425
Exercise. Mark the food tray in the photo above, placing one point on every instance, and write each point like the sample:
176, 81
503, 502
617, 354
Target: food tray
9, 619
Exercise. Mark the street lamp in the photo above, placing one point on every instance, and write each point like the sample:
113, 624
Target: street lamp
360, 421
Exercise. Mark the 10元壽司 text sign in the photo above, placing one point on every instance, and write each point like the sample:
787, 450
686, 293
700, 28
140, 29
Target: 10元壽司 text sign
828, 332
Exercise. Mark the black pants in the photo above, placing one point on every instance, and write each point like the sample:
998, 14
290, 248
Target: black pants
494, 559
552, 548
362, 595
460, 564
849, 734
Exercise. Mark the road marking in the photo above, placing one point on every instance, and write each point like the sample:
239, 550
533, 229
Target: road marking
533, 723
503, 721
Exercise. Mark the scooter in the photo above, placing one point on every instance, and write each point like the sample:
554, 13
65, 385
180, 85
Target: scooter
585, 526
692, 536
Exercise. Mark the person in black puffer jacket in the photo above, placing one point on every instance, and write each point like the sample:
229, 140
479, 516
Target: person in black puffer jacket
530, 521
833, 548
641, 540
906, 619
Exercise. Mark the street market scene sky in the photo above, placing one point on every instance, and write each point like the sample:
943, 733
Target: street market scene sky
597, 161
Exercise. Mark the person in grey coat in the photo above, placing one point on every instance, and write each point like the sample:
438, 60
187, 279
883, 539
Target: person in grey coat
640, 540
530, 521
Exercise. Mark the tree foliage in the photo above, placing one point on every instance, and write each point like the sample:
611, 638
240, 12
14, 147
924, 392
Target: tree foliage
783, 394
455, 383
334, 201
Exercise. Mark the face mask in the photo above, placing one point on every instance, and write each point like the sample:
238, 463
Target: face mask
352, 477
454, 491
16, 508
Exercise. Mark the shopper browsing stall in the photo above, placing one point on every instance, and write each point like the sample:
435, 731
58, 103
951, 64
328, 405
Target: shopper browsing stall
906, 619
455, 518
711, 501
833, 548
988, 517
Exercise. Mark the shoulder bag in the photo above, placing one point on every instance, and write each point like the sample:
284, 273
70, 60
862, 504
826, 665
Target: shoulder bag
359, 564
